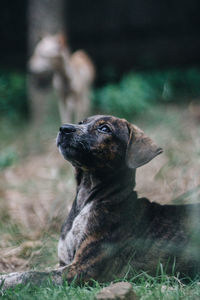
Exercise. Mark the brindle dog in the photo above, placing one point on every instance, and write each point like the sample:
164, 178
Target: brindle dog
109, 229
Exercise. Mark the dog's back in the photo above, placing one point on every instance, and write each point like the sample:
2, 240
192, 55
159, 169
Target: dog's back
136, 234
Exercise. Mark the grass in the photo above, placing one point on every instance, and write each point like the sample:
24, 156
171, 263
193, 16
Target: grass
37, 188
145, 286
50, 292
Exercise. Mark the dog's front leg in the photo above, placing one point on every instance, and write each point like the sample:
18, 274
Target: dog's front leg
33, 277
93, 261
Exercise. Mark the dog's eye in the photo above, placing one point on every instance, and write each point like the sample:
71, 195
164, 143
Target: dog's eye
104, 129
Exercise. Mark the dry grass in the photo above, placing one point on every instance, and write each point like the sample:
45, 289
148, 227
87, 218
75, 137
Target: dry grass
176, 171
35, 197
36, 193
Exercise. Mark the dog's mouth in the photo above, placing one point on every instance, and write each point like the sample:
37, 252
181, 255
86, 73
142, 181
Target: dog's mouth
71, 147
64, 143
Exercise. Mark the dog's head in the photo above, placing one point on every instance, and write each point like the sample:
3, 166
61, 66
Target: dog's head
105, 142
47, 56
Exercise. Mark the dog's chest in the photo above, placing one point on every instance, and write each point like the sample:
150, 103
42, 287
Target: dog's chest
68, 246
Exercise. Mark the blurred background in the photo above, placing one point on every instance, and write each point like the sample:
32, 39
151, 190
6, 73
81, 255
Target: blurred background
147, 60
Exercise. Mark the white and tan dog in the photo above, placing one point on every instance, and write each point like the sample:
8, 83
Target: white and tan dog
73, 75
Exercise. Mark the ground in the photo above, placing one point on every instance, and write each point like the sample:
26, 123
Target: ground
37, 189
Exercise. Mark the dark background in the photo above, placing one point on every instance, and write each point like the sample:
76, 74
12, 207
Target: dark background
119, 35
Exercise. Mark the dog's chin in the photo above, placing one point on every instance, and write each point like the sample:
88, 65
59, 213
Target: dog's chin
64, 152
69, 155
60, 150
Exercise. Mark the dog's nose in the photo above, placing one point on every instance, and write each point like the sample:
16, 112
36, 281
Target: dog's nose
66, 129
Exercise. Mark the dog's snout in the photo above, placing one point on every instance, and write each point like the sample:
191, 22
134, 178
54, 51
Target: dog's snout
66, 129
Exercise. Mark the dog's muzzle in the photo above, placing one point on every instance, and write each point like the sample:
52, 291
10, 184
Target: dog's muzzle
64, 133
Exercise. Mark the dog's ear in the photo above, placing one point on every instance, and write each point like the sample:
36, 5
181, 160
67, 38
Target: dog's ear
141, 149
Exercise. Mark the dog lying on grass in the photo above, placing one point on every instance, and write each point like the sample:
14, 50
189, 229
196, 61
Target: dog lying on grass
109, 229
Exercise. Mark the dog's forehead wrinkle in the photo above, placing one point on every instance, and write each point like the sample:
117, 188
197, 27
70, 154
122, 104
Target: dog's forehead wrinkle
97, 118
100, 119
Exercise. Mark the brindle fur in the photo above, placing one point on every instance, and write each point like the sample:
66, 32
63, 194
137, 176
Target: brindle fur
119, 229
109, 230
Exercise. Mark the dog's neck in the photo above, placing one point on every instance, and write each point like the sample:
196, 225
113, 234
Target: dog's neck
107, 187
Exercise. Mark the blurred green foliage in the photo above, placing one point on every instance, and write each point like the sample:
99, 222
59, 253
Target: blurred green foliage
135, 93
7, 158
138, 91
13, 98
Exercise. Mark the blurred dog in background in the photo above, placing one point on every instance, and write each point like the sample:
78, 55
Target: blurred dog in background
72, 75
